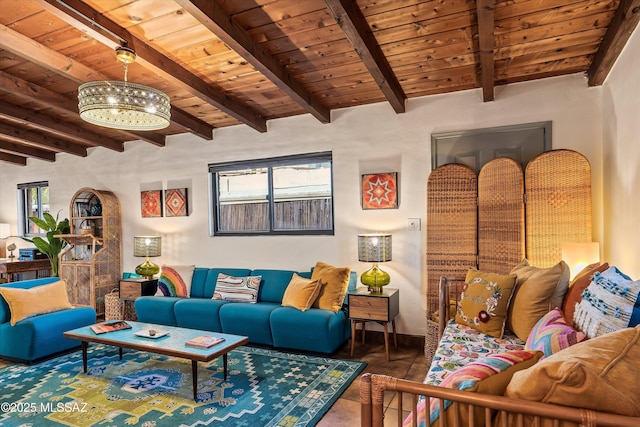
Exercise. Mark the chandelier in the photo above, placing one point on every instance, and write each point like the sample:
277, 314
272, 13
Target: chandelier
121, 104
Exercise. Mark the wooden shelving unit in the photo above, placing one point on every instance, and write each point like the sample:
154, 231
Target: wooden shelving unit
91, 263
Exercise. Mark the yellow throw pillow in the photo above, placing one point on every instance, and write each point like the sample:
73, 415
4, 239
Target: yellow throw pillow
42, 299
484, 301
602, 374
538, 291
301, 293
335, 283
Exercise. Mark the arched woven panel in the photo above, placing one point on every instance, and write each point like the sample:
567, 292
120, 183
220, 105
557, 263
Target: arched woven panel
558, 208
500, 216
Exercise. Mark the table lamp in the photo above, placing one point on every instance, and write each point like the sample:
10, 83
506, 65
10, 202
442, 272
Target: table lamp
579, 255
147, 246
374, 248
5, 231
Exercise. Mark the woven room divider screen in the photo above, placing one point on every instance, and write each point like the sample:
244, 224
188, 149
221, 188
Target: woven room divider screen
495, 219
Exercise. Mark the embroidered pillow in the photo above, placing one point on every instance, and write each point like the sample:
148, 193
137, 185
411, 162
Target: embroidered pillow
237, 289
538, 291
484, 301
488, 375
175, 281
607, 303
41, 299
301, 293
552, 334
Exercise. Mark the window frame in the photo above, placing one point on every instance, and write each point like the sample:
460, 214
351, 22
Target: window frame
268, 163
23, 206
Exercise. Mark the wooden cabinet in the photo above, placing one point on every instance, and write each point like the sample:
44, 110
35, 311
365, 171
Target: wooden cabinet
91, 263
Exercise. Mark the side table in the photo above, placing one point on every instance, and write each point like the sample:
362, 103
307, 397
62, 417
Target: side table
133, 288
365, 306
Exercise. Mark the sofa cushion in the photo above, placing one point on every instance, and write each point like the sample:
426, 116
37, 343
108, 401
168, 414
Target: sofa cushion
607, 303
199, 313
274, 283
211, 278
301, 293
577, 286
237, 289
158, 310
335, 283
175, 280
489, 375
484, 301
538, 291
250, 320
313, 330
552, 333
42, 299
602, 374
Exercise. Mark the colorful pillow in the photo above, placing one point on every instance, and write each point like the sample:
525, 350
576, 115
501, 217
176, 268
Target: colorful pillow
42, 299
301, 293
175, 281
577, 286
335, 283
237, 289
607, 303
538, 291
488, 375
552, 334
602, 374
484, 301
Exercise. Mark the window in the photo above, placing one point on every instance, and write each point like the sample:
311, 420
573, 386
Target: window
33, 201
282, 195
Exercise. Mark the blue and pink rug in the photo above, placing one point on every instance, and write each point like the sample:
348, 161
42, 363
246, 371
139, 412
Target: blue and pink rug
264, 388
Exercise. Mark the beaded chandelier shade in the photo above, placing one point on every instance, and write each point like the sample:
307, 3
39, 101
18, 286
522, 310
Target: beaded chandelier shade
124, 105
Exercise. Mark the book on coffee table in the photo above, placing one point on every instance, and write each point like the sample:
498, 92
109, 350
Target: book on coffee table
118, 325
204, 341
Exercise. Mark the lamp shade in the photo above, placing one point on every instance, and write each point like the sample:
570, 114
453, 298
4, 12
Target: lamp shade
579, 255
375, 247
147, 246
5, 231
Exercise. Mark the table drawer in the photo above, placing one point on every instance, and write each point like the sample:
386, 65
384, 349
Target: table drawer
369, 308
130, 290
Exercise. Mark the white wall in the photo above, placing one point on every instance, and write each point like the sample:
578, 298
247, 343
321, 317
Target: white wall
363, 140
621, 142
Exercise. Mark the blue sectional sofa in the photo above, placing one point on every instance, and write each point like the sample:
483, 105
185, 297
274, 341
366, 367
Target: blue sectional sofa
41, 335
266, 322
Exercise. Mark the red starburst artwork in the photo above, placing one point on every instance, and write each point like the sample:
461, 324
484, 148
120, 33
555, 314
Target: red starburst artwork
380, 191
151, 202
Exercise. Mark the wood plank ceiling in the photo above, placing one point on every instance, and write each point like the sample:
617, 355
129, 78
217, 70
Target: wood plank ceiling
230, 62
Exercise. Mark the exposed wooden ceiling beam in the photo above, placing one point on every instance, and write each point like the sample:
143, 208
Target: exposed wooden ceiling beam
18, 148
33, 51
622, 25
105, 31
12, 158
209, 14
486, 23
350, 18
49, 99
28, 118
8, 132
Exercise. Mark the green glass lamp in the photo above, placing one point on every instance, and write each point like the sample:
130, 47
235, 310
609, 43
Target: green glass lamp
375, 248
147, 246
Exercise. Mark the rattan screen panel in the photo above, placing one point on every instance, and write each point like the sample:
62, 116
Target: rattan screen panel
452, 192
500, 216
558, 208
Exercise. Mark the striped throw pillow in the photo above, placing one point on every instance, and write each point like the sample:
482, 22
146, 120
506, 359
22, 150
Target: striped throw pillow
552, 333
237, 289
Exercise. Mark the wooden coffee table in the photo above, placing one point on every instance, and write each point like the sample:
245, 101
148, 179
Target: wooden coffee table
171, 344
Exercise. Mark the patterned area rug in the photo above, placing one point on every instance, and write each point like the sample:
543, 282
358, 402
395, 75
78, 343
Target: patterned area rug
264, 388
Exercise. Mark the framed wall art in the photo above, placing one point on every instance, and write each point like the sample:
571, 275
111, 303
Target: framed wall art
176, 202
379, 190
151, 202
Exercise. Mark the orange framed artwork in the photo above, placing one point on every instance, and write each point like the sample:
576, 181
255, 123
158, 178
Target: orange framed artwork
379, 190
151, 202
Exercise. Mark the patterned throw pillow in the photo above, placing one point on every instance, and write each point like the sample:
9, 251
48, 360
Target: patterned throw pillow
237, 289
607, 303
577, 287
484, 301
552, 334
175, 281
489, 375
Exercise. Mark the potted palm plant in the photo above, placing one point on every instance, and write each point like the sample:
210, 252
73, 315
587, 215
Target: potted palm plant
51, 246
